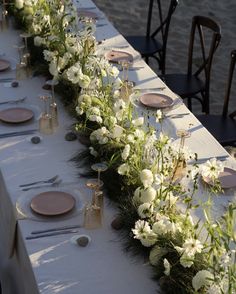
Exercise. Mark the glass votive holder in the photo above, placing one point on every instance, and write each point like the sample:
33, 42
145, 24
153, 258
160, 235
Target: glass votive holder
99, 200
92, 216
21, 71
54, 114
45, 124
126, 90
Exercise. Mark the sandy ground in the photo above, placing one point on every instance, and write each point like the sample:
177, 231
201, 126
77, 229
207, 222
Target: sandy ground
129, 17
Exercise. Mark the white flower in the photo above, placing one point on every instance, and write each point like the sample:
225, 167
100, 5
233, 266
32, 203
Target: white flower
73, 73
139, 134
145, 210
84, 81
113, 71
186, 261
19, 4
53, 68
125, 152
146, 177
167, 267
38, 41
117, 132
192, 246
212, 169
162, 226
48, 55
138, 122
123, 169
93, 151
202, 278
100, 135
156, 254
130, 138
159, 116
148, 195
214, 289
143, 232
136, 197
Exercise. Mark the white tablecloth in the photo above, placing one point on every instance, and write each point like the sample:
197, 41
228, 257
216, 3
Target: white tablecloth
54, 264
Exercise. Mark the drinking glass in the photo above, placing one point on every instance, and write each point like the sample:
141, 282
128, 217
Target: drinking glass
53, 105
45, 121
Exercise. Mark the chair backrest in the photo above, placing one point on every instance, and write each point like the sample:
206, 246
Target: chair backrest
228, 86
200, 26
164, 20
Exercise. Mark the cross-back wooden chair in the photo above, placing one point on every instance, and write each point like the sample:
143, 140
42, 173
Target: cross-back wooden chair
223, 127
153, 44
196, 84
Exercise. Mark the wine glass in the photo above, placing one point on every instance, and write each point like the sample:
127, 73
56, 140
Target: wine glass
182, 134
99, 167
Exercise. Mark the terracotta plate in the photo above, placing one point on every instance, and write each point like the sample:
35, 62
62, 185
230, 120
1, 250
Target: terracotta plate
16, 115
86, 13
4, 64
227, 178
118, 56
52, 203
156, 100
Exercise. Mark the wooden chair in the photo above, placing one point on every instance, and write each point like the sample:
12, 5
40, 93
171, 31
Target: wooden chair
148, 46
223, 127
194, 84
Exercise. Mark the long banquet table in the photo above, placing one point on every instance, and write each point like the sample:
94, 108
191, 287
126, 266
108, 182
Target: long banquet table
54, 264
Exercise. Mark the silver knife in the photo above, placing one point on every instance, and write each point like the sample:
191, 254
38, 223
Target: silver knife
19, 133
56, 229
51, 234
151, 89
204, 159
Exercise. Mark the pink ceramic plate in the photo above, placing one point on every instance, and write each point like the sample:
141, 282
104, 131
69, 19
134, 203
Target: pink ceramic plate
156, 100
86, 13
118, 56
16, 115
4, 64
227, 178
52, 203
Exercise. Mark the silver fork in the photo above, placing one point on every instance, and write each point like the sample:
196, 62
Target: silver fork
13, 101
51, 180
55, 184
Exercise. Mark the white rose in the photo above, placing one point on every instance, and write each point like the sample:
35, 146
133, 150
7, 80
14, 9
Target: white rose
38, 41
146, 177
145, 210
148, 195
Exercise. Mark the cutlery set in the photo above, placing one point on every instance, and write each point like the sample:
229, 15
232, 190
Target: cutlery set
51, 233
13, 101
52, 182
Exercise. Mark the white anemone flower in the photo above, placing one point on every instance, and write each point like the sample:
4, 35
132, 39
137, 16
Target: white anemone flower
212, 169
143, 232
192, 246
73, 74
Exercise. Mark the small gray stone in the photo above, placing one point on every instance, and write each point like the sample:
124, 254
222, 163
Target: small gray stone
71, 136
117, 223
82, 241
35, 140
14, 84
